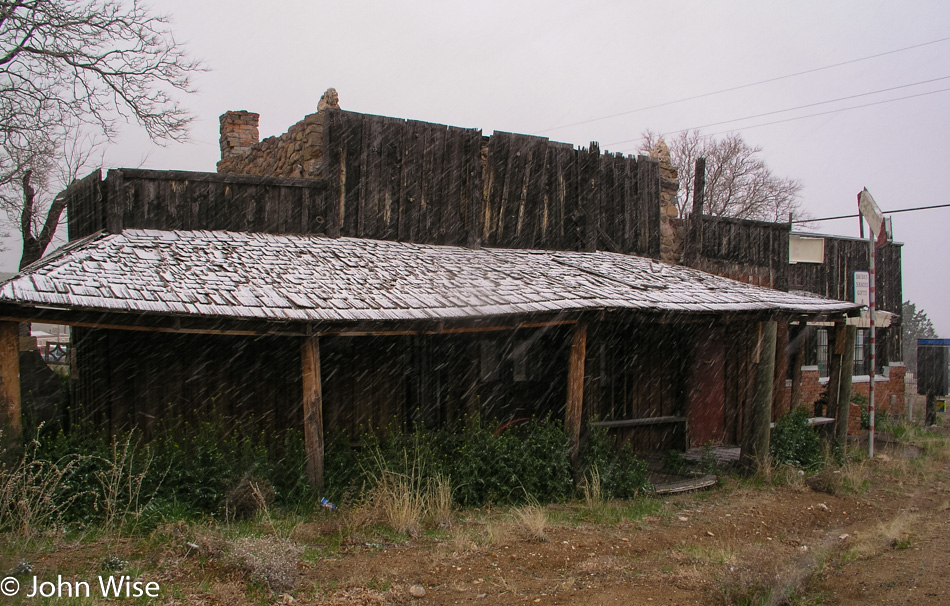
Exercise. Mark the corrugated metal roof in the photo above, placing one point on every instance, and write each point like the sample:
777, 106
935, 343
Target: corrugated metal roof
314, 278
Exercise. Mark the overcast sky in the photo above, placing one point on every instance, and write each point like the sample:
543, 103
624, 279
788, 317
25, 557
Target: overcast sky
536, 67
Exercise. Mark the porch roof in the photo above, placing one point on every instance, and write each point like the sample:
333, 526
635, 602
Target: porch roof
219, 274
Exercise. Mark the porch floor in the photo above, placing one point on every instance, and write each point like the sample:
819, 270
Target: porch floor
725, 455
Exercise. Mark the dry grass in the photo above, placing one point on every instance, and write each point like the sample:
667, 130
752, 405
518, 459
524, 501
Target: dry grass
33, 492
405, 500
765, 576
593, 490
783, 474
893, 534
439, 506
532, 520
398, 498
267, 560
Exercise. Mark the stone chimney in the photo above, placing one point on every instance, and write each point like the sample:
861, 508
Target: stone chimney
238, 133
671, 225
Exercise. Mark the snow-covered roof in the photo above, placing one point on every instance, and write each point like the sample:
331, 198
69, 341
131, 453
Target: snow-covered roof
315, 278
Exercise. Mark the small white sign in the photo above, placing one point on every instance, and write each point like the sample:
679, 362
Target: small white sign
862, 288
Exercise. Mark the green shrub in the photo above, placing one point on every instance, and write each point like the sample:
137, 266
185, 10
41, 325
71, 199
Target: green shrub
795, 442
622, 474
191, 467
521, 463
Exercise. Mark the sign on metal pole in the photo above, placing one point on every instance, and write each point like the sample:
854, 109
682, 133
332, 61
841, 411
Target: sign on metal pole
875, 219
862, 288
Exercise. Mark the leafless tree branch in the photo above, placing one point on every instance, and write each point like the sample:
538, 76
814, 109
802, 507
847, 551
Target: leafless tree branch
738, 182
69, 71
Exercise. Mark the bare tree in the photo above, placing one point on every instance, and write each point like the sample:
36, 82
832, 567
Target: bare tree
70, 70
738, 182
30, 201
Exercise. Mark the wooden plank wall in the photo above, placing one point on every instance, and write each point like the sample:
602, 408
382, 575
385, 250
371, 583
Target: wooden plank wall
844, 256
394, 179
150, 380
749, 251
152, 199
414, 181
637, 380
85, 206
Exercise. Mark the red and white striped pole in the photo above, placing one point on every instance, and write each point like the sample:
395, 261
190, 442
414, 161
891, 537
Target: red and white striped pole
875, 218
873, 372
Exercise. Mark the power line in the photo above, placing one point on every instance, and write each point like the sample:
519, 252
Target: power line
831, 111
740, 87
885, 212
835, 111
797, 107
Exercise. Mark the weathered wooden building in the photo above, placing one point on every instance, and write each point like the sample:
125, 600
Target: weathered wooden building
413, 273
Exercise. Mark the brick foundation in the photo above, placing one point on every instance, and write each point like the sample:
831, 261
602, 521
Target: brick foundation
891, 384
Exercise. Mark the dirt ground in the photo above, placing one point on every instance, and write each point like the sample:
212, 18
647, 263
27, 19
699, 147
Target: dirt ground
874, 532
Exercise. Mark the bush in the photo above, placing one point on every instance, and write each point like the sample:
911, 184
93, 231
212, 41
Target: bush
516, 465
204, 467
622, 474
795, 442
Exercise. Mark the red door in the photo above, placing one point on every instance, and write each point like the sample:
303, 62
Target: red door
706, 415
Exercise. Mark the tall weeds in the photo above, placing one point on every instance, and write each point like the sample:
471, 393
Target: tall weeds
35, 493
121, 497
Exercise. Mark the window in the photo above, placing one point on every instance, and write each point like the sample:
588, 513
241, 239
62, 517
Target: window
860, 358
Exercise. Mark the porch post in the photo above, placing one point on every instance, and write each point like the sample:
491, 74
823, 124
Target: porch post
781, 369
844, 385
10, 421
836, 351
755, 438
797, 342
573, 414
313, 410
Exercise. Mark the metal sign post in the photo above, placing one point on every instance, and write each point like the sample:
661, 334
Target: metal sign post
875, 218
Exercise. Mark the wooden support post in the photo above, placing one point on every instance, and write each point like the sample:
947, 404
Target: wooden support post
797, 346
10, 422
836, 353
473, 373
781, 369
755, 434
313, 411
574, 412
930, 414
844, 386
694, 244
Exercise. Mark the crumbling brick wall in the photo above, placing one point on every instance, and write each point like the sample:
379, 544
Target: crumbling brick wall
296, 153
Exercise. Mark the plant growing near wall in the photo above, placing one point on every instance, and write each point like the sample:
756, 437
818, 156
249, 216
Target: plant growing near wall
621, 473
795, 442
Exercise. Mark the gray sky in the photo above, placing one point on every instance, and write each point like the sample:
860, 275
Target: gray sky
534, 67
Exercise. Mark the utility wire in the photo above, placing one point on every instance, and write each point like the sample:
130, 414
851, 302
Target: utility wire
742, 86
781, 111
883, 212
835, 111
831, 111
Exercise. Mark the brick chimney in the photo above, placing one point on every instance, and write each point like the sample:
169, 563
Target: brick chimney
238, 133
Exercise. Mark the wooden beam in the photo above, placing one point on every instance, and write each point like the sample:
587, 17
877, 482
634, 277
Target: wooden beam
835, 355
472, 376
10, 421
797, 346
313, 411
755, 432
844, 386
227, 178
694, 242
574, 412
781, 369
